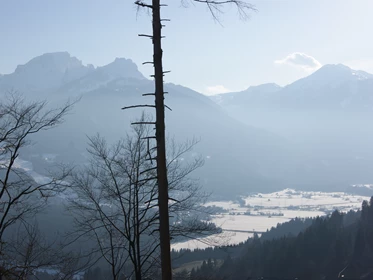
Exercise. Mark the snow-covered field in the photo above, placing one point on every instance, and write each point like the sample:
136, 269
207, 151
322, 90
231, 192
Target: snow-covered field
259, 212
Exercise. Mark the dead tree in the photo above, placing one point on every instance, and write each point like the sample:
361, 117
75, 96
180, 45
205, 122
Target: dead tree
163, 197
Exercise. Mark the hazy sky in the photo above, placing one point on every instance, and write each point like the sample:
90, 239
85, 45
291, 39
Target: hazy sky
283, 41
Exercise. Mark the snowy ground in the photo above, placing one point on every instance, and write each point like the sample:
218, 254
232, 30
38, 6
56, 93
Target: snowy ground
264, 211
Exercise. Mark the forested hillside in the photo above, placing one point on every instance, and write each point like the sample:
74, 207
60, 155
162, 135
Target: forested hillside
340, 245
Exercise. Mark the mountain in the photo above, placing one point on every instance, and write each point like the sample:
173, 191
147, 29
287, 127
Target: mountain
332, 75
46, 71
327, 115
55, 70
262, 139
331, 87
249, 95
336, 87
121, 67
238, 158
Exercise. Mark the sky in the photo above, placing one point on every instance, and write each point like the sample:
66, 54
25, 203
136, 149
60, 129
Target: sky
283, 40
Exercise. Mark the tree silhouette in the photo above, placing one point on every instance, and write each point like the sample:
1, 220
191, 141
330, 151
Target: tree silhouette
22, 248
115, 202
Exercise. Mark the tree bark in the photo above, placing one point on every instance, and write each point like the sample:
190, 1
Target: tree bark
161, 146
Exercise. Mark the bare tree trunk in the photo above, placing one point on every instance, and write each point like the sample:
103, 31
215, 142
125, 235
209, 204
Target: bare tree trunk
164, 224
164, 228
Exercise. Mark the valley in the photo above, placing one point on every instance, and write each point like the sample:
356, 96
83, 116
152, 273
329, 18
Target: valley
260, 212
265, 138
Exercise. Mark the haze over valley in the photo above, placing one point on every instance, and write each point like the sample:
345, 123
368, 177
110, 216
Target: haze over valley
313, 134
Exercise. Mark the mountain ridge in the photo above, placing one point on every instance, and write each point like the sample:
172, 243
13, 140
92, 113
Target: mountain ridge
56, 69
341, 68
327, 115
320, 87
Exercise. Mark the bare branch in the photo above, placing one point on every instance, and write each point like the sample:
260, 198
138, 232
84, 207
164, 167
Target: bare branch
138, 106
215, 7
118, 199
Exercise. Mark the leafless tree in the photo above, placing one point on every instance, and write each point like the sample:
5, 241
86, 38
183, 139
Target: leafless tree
21, 197
116, 201
28, 252
161, 165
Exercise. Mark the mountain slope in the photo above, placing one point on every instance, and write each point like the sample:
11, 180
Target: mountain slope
327, 114
331, 87
239, 158
247, 96
305, 143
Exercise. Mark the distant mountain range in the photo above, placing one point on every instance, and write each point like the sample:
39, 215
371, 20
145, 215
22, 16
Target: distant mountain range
257, 152
328, 115
332, 87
